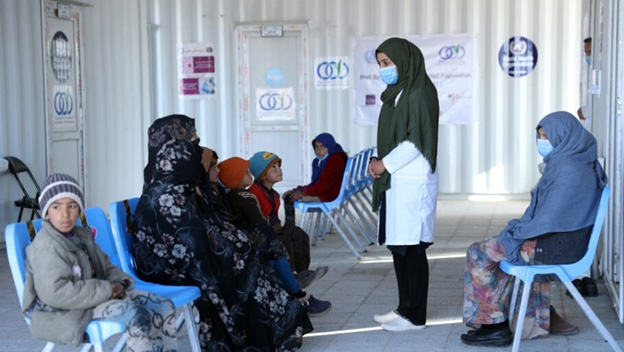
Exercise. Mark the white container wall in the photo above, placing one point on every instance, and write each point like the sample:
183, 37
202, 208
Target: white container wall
494, 155
130, 52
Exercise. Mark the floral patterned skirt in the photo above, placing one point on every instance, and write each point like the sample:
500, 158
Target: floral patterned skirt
488, 290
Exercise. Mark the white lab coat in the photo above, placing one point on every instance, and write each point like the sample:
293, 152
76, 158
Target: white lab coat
412, 197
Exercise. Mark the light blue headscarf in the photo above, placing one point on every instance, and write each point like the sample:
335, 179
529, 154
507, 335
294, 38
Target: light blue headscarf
566, 197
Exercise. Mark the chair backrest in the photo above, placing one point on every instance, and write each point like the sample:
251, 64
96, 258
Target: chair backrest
16, 166
17, 238
119, 212
98, 222
578, 268
343, 186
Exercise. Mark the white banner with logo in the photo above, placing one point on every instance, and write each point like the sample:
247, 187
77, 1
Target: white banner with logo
450, 61
275, 104
332, 72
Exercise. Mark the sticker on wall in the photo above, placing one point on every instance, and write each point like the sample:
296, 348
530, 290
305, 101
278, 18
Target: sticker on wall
518, 56
196, 70
332, 72
64, 108
274, 77
60, 57
275, 104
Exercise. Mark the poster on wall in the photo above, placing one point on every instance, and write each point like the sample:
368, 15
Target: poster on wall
63, 101
275, 104
196, 70
450, 61
332, 72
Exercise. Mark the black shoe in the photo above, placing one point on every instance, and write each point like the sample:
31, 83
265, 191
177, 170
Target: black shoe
590, 289
488, 338
578, 284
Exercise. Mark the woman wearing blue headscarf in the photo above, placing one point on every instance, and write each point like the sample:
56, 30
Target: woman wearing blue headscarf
554, 229
327, 171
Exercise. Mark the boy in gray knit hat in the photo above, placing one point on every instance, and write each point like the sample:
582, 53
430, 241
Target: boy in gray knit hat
70, 280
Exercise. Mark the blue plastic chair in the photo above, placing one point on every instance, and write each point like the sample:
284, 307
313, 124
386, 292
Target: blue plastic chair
330, 208
182, 296
18, 236
566, 273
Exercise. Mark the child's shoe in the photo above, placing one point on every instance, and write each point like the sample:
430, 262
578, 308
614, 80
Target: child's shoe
315, 307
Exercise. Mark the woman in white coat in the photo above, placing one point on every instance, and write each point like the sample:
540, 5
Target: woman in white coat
406, 181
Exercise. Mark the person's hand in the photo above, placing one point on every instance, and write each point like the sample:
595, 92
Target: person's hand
376, 167
287, 194
119, 291
296, 196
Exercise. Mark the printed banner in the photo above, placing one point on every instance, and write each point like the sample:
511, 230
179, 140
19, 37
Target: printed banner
196, 70
332, 72
450, 61
275, 104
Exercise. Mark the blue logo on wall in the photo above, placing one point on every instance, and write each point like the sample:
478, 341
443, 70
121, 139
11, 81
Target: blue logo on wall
331, 70
63, 103
275, 102
274, 77
370, 57
452, 52
518, 56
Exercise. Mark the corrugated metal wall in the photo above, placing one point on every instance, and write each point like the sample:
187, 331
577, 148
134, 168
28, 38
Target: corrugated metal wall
22, 124
131, 78
494, 155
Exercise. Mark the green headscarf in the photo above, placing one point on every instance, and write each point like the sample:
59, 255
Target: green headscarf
416, 115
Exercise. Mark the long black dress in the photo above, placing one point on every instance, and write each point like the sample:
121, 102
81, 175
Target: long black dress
244, 306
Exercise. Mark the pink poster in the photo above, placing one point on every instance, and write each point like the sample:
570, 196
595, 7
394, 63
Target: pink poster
196, 70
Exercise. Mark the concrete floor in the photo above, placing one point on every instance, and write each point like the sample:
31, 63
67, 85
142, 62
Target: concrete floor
359, 289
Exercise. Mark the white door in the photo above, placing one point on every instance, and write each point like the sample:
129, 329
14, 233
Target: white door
65, 132
272, 76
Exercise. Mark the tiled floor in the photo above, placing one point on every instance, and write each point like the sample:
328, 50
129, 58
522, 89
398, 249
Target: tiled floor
359, 289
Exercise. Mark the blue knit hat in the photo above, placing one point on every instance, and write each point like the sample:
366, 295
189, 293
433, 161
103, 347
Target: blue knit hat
261, 162
58, 186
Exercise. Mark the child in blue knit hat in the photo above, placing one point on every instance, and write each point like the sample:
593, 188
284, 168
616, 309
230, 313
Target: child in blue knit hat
267, 171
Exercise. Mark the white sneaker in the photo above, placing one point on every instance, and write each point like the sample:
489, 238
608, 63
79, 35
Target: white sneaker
401, 324
384, 318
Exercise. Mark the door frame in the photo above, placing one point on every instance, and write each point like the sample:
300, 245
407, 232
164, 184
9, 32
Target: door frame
245, 97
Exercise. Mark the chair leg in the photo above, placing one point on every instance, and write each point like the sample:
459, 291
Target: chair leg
317, 226
48, 347
350, 230
344, 237
87, 347
121, 343
191, 328
370, 233
524, 302
514, 298
592, 316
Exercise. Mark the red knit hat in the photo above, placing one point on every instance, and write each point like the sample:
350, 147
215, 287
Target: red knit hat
232, 171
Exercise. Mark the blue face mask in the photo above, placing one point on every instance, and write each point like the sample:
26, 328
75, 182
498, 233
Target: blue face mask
588, 59
389, 75
544, 147
323, 158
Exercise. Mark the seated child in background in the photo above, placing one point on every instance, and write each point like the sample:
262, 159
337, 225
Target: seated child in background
70, 281
327, 171
235, 175
266, 170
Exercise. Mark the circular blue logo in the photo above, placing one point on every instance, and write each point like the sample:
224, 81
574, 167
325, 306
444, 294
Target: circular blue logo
332, 70
274, 77
518, 56
370, 57
275, 102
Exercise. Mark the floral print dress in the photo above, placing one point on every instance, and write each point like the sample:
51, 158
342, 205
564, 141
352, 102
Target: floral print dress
244, 306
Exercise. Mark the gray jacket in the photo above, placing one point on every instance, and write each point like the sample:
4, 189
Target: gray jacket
60, 291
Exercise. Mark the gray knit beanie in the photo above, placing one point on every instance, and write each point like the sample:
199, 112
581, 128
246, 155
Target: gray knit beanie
58, 186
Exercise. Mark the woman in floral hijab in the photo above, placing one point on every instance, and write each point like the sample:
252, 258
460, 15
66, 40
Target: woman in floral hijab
174, 245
